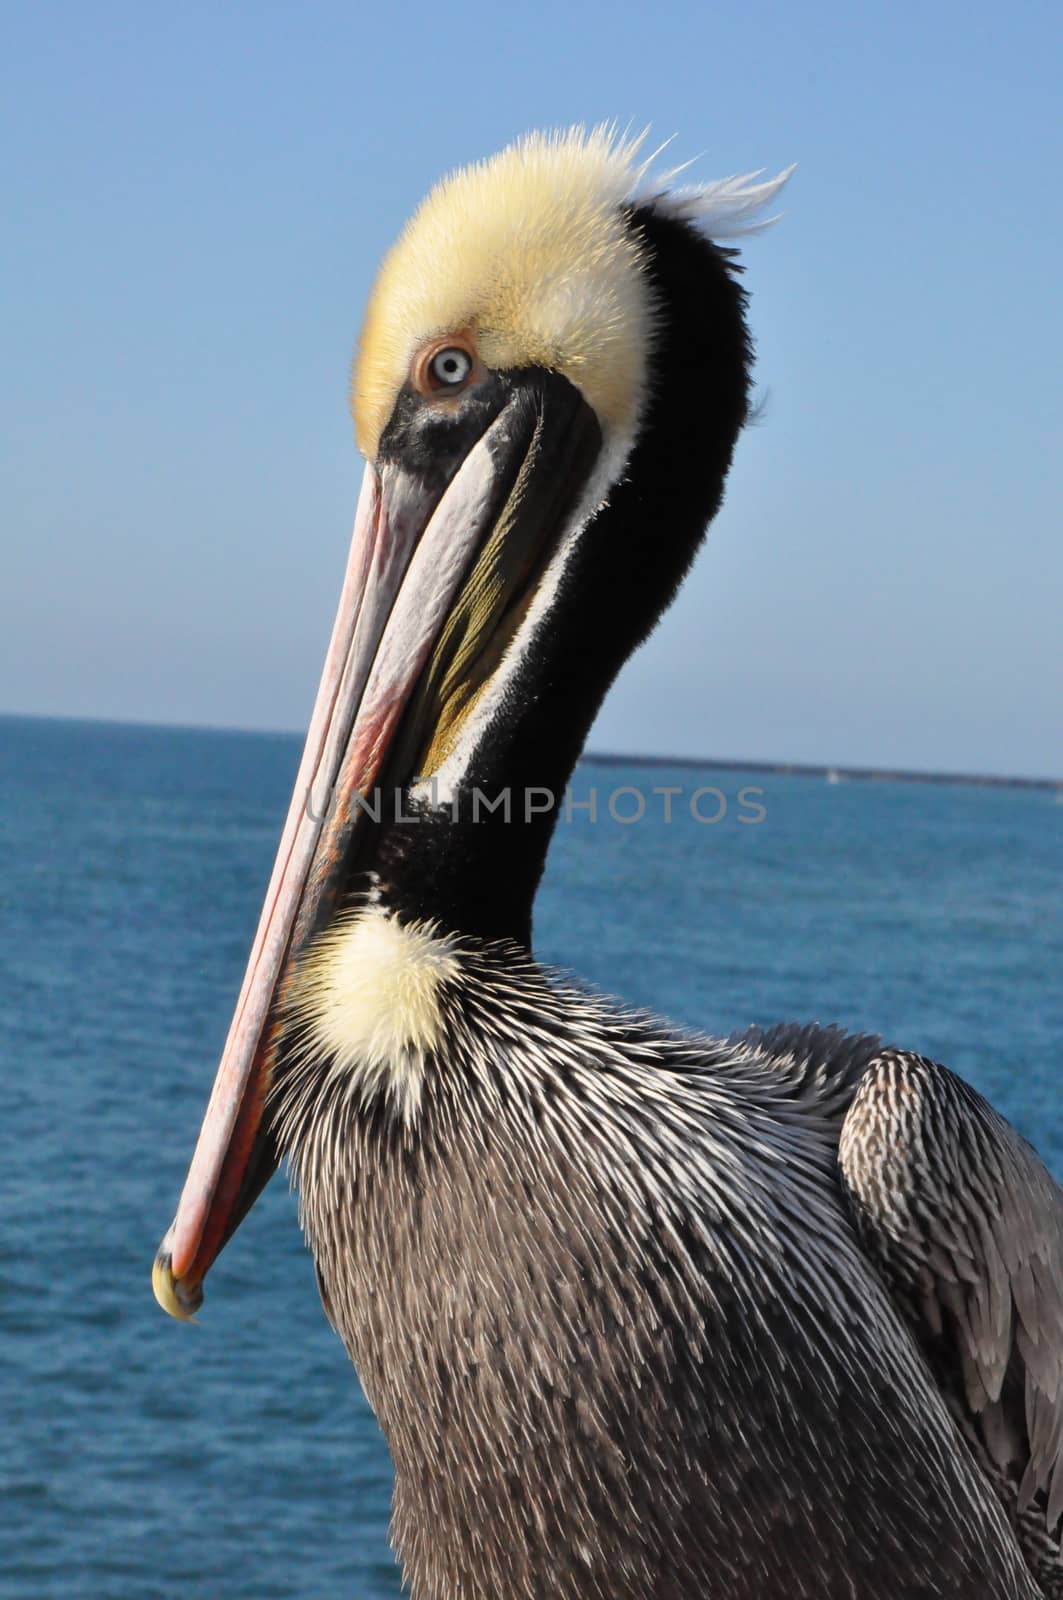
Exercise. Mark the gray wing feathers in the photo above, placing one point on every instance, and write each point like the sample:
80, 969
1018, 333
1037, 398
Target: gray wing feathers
966, 1225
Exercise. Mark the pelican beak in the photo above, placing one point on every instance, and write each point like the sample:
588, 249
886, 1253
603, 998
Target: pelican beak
446, 549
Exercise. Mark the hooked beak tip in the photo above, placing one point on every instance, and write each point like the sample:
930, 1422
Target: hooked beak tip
178, 1299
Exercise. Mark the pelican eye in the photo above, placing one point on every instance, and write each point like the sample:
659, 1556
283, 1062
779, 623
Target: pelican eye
449, 368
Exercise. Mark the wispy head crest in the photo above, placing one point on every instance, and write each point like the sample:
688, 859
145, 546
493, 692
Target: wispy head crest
726, 208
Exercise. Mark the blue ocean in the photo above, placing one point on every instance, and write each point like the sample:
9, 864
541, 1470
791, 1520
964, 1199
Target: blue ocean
237, 1458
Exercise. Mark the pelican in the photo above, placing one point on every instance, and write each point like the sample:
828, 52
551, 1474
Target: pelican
643, 1314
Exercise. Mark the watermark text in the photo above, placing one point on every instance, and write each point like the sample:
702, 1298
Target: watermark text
626, 805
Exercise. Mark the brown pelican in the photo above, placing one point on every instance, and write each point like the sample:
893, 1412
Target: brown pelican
644, 1315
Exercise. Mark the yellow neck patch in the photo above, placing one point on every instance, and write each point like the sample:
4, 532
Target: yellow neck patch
367, 995
530, 251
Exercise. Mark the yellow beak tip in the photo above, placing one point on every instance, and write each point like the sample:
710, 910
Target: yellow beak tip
173, 1296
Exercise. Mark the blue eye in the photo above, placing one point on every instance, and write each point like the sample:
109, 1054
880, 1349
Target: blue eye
450, 368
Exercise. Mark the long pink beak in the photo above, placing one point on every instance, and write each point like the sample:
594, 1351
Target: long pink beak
409, 552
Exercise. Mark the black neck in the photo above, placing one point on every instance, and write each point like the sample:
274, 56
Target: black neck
476, 872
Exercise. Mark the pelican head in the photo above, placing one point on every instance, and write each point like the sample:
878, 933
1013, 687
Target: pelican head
552, 373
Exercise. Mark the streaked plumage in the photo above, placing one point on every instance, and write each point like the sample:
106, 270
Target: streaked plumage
644, 1315
587, 1196
965, 1226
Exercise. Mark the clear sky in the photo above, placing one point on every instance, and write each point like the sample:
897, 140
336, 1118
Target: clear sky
195, 199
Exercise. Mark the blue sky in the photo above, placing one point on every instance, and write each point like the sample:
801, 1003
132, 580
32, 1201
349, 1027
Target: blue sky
196, 204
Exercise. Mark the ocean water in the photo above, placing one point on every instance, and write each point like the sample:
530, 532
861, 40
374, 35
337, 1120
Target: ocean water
237, 1458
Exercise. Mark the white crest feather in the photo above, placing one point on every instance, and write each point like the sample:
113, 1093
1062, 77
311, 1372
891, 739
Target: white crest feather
727, 208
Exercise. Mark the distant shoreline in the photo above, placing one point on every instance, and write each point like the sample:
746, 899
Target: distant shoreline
834, 774
828, 772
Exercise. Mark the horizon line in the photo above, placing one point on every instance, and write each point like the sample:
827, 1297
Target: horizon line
841, 772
